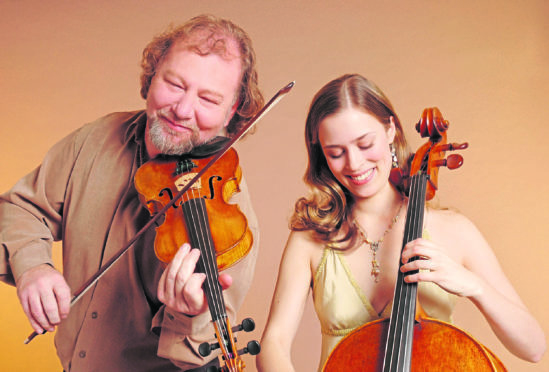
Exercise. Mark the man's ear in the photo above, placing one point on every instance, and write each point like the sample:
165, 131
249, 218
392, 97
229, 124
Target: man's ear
232, 112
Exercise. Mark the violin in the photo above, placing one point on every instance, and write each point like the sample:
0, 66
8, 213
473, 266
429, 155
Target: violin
204, 218
409, 340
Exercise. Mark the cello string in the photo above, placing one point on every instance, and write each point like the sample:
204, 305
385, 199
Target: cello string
404, 292
392, 348
411, 288
404, 302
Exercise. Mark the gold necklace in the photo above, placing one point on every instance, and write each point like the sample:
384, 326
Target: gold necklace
374, 245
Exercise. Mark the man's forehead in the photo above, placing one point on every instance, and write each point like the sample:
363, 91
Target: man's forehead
204, 42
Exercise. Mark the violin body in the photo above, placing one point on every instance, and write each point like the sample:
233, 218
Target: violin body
158, 180
437, 346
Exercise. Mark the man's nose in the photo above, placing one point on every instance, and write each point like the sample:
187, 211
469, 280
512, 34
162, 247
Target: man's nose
184, 107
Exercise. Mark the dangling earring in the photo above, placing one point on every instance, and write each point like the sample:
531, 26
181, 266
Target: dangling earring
393, 155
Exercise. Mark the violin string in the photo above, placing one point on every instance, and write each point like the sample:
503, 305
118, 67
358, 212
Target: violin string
216, 303
199, 221
206, 251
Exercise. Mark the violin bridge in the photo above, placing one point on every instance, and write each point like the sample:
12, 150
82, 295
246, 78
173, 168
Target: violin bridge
185, 179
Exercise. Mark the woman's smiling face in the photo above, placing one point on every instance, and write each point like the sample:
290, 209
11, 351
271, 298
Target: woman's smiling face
356, 147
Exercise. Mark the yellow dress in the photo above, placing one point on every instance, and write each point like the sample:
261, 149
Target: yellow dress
341, 306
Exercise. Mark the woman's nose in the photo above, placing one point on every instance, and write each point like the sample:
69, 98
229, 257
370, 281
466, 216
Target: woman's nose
354, 159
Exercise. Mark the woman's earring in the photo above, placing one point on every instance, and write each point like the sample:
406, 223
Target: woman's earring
393, 155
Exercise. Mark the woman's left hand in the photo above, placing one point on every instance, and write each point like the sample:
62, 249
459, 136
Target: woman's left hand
436, 266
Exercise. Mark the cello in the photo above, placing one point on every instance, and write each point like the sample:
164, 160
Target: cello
410, 340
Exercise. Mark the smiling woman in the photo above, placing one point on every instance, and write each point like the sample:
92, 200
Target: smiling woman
350, 136
351, 218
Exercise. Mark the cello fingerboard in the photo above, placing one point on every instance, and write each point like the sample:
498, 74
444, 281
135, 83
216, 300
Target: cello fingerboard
398, 350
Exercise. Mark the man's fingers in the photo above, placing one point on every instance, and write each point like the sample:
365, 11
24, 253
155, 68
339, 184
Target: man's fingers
193, 295
225, 280
63, 295
38, 314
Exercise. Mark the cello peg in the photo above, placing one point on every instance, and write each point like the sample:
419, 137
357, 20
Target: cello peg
453, 161
460, 146
453, 146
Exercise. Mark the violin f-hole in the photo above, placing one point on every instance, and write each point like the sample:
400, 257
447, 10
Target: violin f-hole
210, 185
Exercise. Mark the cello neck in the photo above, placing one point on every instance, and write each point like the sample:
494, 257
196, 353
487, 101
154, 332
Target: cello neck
398, 349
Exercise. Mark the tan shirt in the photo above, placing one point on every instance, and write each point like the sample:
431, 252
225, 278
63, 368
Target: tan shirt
83, 195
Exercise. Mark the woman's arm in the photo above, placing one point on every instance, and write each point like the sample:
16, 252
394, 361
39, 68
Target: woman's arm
475, 273
292, 289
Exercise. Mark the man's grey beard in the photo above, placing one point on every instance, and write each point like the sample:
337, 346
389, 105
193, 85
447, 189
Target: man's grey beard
167, 141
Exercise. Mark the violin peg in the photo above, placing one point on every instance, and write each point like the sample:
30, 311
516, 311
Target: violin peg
247, 325
205, 349
252, 348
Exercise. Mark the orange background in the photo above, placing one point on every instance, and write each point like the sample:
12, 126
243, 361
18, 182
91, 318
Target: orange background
483, 63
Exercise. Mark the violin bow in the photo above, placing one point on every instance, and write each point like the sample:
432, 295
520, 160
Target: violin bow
94, 278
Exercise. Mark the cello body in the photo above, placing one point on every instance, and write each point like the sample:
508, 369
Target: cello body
437, 346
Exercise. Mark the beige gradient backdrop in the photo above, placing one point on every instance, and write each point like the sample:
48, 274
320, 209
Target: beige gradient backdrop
483, 63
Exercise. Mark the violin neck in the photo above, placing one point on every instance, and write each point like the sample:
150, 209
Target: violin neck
398, 350
200, 236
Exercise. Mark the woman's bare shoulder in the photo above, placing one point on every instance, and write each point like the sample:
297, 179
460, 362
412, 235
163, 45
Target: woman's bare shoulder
453, 228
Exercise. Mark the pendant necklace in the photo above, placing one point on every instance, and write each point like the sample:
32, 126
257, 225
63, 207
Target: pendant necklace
374, 245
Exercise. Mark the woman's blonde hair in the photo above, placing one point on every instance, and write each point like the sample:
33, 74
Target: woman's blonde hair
327, 211
210, 35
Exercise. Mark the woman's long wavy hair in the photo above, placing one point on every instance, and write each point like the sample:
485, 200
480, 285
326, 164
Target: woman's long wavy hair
327, 211
207, 34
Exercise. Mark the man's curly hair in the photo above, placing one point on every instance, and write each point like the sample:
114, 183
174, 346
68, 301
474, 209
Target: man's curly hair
209, 35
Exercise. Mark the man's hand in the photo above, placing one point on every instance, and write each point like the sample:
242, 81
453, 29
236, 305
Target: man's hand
180, 288
45, 297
